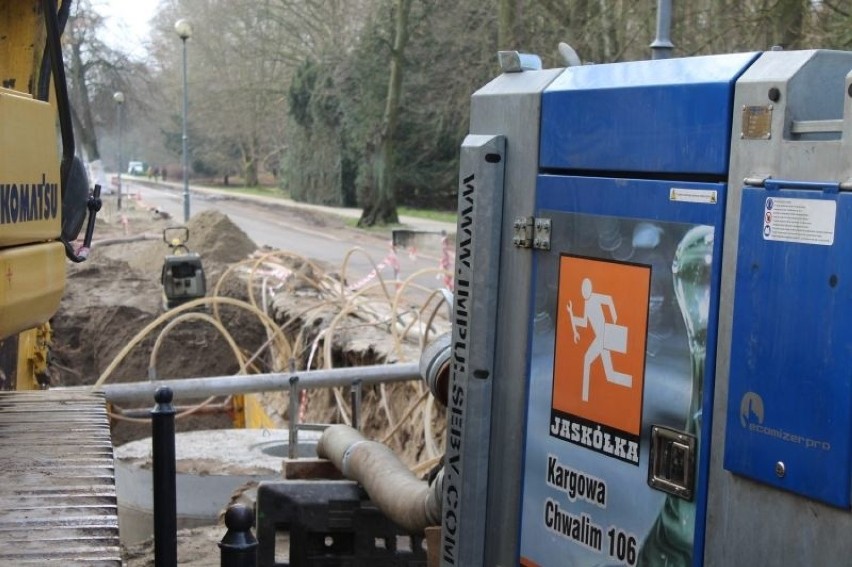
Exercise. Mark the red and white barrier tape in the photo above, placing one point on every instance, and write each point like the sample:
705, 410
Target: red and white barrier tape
446, 264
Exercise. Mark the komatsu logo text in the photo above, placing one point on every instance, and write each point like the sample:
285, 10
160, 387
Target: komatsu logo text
27, 202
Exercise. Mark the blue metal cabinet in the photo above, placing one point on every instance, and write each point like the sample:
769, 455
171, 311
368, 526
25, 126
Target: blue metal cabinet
789, 422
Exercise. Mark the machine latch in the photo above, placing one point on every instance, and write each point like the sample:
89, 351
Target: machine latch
531, 232
672, 462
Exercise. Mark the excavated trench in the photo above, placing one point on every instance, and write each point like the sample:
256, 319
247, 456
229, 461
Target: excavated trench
117, 293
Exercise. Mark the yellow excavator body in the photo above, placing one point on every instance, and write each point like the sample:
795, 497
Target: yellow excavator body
32, 259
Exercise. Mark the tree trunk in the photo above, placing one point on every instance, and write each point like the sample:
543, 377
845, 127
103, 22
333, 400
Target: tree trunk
788, 16
509, 34
250, 168
84, 122
381, 207
250, 173
607, 31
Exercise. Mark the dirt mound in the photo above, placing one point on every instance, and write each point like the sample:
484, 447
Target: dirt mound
211, 234
117, 293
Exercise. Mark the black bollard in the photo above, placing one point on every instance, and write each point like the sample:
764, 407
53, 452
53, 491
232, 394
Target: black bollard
239, 547
165, 492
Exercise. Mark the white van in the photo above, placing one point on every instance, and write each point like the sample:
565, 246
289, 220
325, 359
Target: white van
137, 168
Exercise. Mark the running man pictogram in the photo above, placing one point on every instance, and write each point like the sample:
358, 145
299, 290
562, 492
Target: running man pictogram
598, 365
608, 337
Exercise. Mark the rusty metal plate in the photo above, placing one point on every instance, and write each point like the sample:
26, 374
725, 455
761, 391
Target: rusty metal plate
757, 122
57, 480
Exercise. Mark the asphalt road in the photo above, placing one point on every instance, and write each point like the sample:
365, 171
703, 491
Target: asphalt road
316, 233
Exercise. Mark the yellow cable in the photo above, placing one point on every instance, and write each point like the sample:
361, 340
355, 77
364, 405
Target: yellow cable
405, 416
152, 361
284, 346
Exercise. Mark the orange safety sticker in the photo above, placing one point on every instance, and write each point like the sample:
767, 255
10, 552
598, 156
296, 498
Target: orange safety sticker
599, 365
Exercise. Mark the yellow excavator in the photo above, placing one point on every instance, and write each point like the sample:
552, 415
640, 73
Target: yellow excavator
57, 488
44, 191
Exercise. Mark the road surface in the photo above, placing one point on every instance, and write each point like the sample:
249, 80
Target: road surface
322, 238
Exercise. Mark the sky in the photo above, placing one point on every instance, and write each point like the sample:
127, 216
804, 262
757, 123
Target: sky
127, 26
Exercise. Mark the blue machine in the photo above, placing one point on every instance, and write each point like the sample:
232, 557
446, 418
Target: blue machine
651, 347
634, 167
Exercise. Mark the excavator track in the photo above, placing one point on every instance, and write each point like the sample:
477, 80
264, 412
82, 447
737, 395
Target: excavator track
57, 480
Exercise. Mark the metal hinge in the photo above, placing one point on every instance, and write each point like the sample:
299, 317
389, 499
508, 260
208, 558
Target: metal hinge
531, 232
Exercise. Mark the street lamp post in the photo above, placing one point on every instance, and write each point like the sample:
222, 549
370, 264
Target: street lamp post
118, 97
184, 31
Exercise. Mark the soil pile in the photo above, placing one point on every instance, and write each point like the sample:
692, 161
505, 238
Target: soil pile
115, 294
211, 234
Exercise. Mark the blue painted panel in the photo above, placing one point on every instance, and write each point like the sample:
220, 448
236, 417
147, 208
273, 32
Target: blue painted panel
664, 116
629, 198
604, 219
790, 392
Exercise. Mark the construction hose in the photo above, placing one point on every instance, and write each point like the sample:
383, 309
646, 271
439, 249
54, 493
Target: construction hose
411, 503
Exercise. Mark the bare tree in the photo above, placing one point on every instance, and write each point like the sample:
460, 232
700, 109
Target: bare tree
511, 21
374, 94
94, 72
242, 58
380, 207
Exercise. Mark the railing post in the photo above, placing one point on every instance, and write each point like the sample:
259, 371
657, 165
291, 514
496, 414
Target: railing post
165, 493
293, 444
355, 403
239, 547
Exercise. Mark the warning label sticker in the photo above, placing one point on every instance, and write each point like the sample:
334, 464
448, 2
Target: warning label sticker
599, 364
806, 221
706, 196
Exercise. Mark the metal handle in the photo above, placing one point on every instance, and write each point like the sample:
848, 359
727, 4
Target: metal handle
825, 186
777, 184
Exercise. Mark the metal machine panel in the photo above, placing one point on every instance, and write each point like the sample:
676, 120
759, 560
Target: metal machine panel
789, 423
329, 522
750, 522
509, 105
623, 357
664, 116
30, 197
472, 365
33, 279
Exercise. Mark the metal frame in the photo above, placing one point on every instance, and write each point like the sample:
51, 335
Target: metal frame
472, 367
509, 107
749, 523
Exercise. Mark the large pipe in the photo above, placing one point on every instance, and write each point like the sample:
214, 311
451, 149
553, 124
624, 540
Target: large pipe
227, 385
411, 503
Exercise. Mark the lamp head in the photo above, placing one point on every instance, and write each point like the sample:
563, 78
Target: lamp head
183, 29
